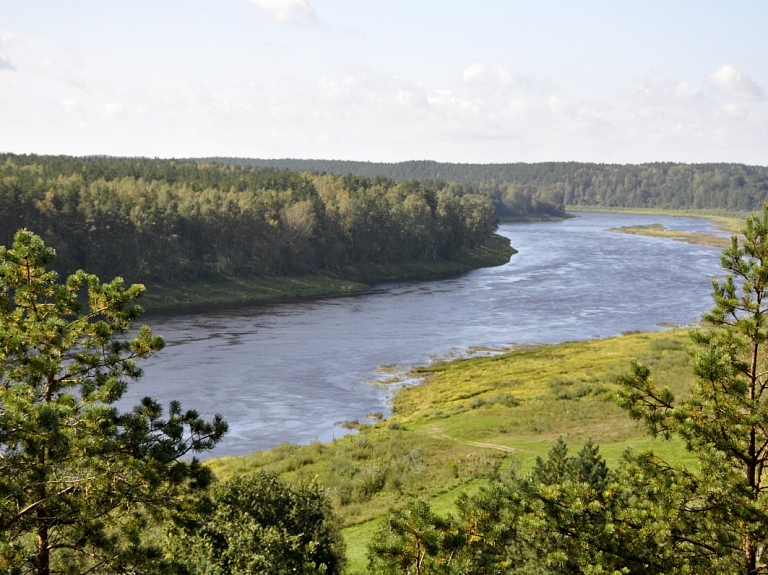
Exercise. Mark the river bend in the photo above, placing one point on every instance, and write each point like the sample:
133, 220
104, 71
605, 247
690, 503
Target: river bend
291, 371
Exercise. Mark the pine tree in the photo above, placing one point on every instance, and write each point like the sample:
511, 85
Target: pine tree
724, 421
81, 482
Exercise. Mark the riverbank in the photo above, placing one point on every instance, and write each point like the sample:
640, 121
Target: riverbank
660, 231
471, 417
532, 219
727, 221
223, 290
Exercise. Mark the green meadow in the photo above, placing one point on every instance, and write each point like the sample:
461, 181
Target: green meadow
468, 418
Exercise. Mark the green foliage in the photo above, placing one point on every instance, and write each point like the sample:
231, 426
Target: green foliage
546, 186
170, 221
569, 515
81, 482
522, 523
259, 524
480, 539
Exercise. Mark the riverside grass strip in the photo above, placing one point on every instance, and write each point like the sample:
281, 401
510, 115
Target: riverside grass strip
472, 417
222, 290
660, 231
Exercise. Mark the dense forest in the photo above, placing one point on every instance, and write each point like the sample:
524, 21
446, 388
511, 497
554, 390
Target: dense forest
178, 220
732, 187
169, 221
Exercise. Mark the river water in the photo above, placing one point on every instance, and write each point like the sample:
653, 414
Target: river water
292, 371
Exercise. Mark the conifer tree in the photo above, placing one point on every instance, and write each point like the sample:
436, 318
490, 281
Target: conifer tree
80, 481
724, 421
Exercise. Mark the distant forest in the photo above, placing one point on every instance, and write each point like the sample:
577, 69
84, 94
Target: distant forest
728, 187
169, 221
176, 220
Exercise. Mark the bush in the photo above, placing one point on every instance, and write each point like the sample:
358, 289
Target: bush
260, 524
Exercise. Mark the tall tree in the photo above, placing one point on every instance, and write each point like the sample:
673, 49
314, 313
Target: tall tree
724, 421
81, 482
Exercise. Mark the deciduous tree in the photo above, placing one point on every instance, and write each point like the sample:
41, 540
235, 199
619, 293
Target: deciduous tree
258, 524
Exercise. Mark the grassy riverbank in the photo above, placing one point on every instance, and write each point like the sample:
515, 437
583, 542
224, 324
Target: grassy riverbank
472, 416
223, 290
660, 231
731, 223
727, 221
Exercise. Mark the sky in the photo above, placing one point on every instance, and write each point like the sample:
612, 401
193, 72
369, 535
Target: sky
479, 81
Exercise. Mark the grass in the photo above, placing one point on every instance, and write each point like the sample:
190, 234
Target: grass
658, 230
729, 221
470, 417
222, 290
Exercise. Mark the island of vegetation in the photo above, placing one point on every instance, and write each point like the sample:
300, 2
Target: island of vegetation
660, 231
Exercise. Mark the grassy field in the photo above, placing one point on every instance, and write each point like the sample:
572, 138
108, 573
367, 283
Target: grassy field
226, 290
658, 230
469, 417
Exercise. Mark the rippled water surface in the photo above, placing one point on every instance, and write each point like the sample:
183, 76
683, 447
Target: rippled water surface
289, 372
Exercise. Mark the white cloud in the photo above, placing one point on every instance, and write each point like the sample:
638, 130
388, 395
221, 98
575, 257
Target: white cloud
556, 104
661, 90
729, 81
684, 91
474, 72
370, 93
288, 12
731, 111
5, 61
491, 73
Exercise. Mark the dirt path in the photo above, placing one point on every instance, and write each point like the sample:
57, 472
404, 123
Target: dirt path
496, 446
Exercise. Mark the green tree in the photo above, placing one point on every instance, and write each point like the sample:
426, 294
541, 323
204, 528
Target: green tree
724, 421
259, 524
81, 482
492, 532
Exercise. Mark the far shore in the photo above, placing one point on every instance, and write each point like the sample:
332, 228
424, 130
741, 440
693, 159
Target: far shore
222, 291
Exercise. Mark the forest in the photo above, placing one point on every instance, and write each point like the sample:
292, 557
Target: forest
661, 185
175, 221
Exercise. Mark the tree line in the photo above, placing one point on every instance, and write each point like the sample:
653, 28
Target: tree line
168, 220
731, 187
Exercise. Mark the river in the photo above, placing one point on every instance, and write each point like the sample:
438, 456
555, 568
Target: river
293, 371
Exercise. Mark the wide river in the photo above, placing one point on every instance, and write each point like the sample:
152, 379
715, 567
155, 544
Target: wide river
292, 371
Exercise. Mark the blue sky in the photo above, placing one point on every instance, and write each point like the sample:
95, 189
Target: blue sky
459, 81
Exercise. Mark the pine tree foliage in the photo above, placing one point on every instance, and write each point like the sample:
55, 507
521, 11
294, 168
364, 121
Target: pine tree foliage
724, 421
81, 482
